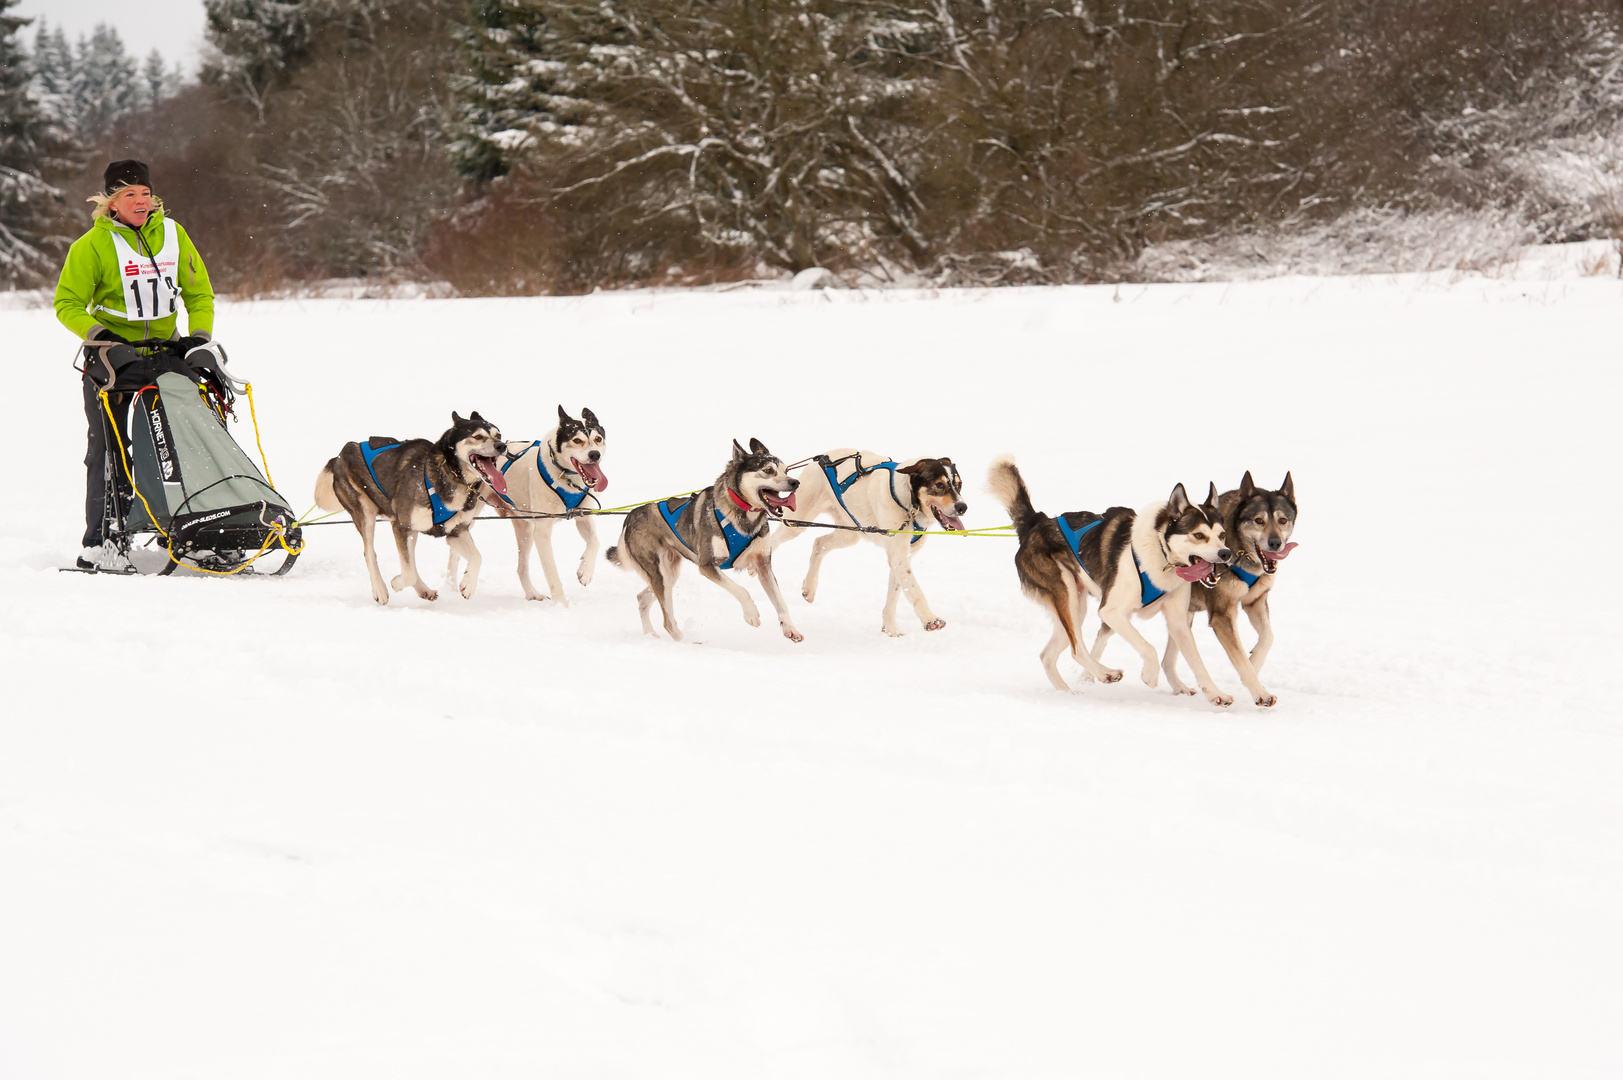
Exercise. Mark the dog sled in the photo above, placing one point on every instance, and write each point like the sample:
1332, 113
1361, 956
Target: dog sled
177, 482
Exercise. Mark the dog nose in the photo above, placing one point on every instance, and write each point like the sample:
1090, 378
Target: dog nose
594, 455
1225, 555
1274, 543
501, 447
793, 483
959, 507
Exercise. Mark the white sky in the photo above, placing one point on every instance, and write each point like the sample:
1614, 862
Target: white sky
173, 27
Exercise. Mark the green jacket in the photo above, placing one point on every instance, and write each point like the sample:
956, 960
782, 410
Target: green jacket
91, 281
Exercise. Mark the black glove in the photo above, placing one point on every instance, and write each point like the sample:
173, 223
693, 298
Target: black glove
101, 333
187, 344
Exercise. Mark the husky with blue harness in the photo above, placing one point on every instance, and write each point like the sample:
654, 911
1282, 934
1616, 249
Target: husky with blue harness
1137, 564
555, 475
1258, 523
723, 527
419, 487
861, 490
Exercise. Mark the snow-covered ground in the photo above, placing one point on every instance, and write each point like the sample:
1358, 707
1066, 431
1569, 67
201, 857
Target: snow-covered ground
266, 829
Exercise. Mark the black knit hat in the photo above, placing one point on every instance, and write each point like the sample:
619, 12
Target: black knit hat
124, 174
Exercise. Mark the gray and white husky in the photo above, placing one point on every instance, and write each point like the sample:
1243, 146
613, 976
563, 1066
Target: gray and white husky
723, 527
876, 491
551, 476
418, 487
1138, 564
1259, 524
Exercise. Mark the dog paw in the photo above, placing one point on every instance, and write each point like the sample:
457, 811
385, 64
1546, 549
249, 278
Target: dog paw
792, 634
536, 596
467, 590
381, 597
397, 582
1111, 676
935, 624
1220, 699
584, 575
1267, 701
752, 617
1182, 691
1151, 675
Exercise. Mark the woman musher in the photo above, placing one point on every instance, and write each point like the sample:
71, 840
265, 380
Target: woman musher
125, 280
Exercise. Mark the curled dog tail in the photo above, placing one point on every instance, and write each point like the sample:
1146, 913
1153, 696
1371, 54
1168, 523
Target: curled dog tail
613, 555
326, 497
1009, 489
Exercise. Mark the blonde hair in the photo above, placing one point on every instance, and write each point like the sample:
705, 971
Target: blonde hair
103, 201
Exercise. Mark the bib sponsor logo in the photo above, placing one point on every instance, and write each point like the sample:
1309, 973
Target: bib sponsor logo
131, 270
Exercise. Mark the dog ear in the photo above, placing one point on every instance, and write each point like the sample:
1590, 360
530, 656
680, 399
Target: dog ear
911, 470
1178, 503
563, 417
759, 447
1211, 494
738, 451
1288, 488
455, 419
1248, 486
475, 418
591, 421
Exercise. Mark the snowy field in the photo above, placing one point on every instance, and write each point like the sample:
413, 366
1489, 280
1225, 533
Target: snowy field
265, 829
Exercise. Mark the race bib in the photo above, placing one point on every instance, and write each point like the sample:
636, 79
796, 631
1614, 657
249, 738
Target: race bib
149, 280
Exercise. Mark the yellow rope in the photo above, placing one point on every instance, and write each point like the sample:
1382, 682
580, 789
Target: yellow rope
255, 417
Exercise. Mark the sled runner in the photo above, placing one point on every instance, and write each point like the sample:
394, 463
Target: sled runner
177, 481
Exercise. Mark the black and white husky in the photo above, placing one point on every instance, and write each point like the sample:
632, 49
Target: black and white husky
552, 475
868, 489
418, 487
1138, 564
1259, 523
723, 527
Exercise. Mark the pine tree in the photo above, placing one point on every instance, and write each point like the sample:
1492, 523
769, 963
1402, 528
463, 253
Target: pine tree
154, 79
51, 67
25, 197
105, 88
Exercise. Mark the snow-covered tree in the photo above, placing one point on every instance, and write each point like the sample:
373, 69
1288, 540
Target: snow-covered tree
159, 82
105, 87
25, 197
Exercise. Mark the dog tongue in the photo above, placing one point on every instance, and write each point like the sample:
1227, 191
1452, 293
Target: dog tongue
497, 479
1195, 572
593, 472
953, 523
789, 503
1281, 553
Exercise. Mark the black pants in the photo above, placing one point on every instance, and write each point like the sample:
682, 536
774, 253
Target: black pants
102, 467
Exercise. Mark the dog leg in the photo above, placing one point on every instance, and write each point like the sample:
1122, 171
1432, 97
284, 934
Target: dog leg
769, 581
461, 541
1169, 665
588, 559
451, 565
1177, 620
367, 524
821, 547
1078, 601
899, 550
752, 615
405, 542
549, 566
524, 533
1058, 643
1121, 622
645, 600
670, 564
1228, 635
1257, 612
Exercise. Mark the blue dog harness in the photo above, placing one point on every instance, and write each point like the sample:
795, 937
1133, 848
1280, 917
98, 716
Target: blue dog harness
1148, 591
369, 454
569, 498
1244, 575
840, 488
736, 541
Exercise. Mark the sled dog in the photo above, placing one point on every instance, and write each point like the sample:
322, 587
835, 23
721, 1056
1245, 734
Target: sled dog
420, 487
1259, 524
552, 475
720, 528
864, 489
1137, 564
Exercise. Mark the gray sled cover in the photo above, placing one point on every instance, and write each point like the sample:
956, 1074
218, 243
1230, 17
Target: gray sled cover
190, 469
